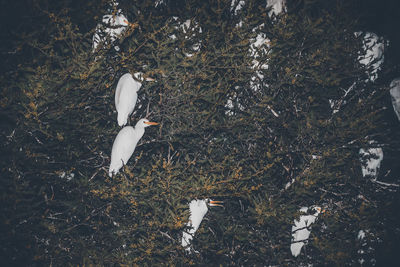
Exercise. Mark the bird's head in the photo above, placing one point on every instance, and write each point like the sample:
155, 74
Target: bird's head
145, 123
317, 209
141, 77
199, 208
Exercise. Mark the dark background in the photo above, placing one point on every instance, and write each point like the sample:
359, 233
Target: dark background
22, 19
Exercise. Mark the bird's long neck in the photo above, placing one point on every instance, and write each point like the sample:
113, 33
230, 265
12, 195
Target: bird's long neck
139, 132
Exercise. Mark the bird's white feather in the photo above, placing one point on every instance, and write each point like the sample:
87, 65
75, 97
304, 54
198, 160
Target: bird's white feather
113, 26
124, 145
198, 209
395, 95
301, 231
126, 97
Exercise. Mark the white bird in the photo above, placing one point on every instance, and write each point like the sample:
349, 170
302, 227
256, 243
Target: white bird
126, 97
371, 159
301, 231
125, 144
277, 6
395, 95
198, 209
115, 25
372, 56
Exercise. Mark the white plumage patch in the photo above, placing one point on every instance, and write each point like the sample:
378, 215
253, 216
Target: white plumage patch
301, 231
395, 94
371, 161
114, 26
125, 144
126, 97
198, 209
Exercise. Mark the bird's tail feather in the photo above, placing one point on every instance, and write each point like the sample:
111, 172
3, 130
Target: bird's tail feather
122, 119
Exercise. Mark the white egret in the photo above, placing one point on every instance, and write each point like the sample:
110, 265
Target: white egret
395, 95
371, 159
277, 6
198, 209
125, 144
115, 25
126, 97
301, 231
372, 54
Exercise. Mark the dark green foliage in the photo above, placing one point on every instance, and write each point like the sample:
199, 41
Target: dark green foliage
62, 208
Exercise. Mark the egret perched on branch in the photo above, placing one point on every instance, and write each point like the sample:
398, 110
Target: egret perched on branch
301, 229
198, 209
395, 95
113, 27
125, 144
126, 95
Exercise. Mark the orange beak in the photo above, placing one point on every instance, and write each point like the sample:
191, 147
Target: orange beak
150, 123
320, 210
216, 203
133, 25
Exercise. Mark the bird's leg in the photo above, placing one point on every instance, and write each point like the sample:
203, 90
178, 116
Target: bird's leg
123, 165
126, 170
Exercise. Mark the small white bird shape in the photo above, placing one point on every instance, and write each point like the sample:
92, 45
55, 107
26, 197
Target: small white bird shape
198, 209
114, 26
126, 97
125, 144
395, 95
300, 229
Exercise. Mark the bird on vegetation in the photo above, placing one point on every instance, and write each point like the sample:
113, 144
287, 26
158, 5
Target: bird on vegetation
112, 27
125, 144
126, 95
301, 228
395, 95
198, 209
